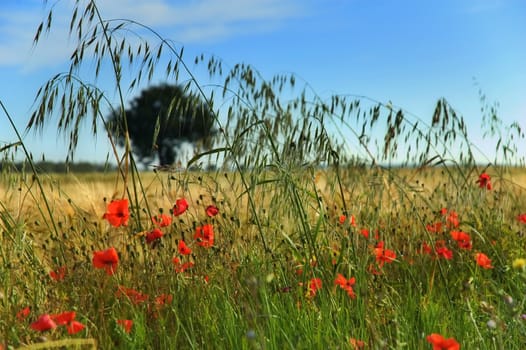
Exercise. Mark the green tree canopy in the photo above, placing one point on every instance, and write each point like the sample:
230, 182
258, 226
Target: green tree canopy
160, 119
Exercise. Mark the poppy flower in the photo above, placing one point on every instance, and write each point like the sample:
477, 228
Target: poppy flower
180, 206
212, 210
204, 235
106, 259
343, 218
442, 251
346, 284
364, 232
315, 284
59, 274
441, 343
463, 239
183, 248
161, 220
43, 323
134, 296
117, 213
22, 314
383, 255
163, 299
484, 181
154, 235
356, 344
126, 324
63, 318
181, 267
483, 261
522, 218
74, 327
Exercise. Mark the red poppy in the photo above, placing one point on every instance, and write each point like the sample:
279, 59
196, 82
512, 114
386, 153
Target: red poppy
484, 181
204, 235
22, 314
435, 227
426, 249
180, 206
441, 343
134, 296
364, 232
59, 274
356, 344
117, 213
442, 251
452, 219
163, 299
162, 220
153, 235
106, 259
126, 324
383, 255
346, 284
212, 210
63, 318
483, 261
43, 323
352, 220
522, 218
315, 284
74, 327
181, 267
463, 239
183, 248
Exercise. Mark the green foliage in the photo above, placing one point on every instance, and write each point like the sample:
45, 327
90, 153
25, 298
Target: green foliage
159, 119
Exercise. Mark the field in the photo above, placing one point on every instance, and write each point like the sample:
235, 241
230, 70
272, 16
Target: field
286, 262
288, 227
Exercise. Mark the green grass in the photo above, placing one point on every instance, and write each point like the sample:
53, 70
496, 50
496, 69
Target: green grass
256, 298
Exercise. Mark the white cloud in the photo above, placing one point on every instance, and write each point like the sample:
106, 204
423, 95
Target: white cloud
189, 21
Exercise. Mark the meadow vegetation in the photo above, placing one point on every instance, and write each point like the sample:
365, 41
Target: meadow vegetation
300, 236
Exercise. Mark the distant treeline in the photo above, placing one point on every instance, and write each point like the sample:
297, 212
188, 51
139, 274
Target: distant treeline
57, 167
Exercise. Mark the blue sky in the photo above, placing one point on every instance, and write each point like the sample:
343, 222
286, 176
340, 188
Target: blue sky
410, 52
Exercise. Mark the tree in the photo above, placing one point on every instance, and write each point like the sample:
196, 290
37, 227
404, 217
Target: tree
160, 119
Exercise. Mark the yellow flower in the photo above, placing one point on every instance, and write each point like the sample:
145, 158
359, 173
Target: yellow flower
519, 263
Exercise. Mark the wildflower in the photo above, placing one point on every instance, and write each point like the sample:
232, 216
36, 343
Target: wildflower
117, 213
181, 267
441, 343
343, 218
134, 296
180, 206
22, 314
106, 259
315, 284
43, 323
483, 261
519, 264
183, 248
451, 218
522, 218
63, 318
435, 227
126, 324
74, 327
204, 235
426, 249
356, 344
484, 181
212, 210
383, 255
346, 284
442, 251
463, 239
364, 232
59, 274
163, 299
153, 235
161, 220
